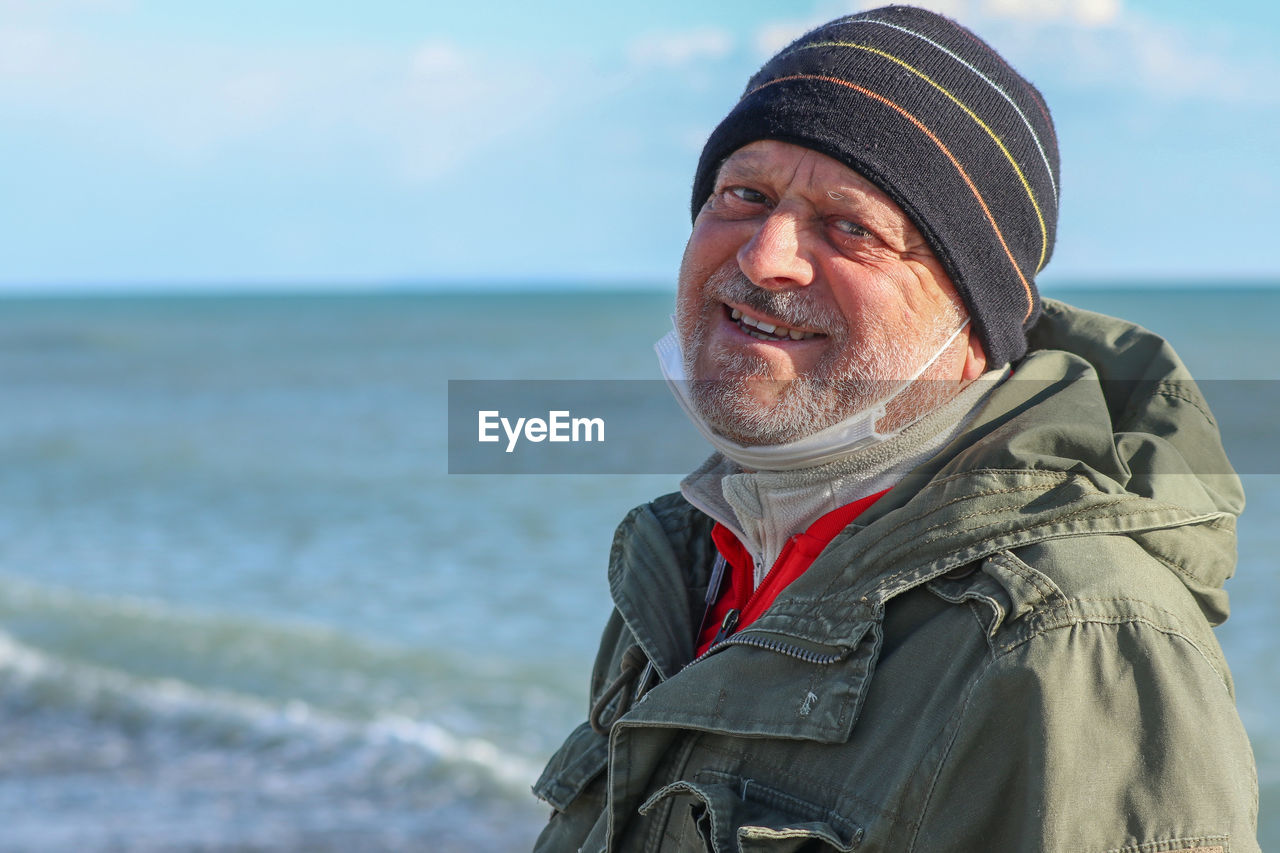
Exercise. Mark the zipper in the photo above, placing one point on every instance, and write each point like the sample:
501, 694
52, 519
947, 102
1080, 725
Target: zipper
731, 619
734, 616
769, 645
773, 570
713, 593
726, 627
725, 636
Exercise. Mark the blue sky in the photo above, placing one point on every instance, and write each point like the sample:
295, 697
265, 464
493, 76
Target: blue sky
282, 142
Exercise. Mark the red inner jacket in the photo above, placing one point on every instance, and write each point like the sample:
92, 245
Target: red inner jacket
799, 552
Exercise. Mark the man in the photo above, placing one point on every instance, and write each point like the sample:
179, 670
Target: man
949, 581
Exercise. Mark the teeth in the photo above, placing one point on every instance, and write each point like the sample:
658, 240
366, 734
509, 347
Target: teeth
767, 331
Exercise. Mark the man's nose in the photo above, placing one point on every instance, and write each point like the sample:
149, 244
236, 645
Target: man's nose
774, 257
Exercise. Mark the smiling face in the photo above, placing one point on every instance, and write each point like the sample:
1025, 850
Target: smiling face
807, 295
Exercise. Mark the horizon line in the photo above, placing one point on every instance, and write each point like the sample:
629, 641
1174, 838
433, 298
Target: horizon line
509, 286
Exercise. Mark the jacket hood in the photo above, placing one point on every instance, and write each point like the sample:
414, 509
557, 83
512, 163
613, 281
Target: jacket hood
1100, 430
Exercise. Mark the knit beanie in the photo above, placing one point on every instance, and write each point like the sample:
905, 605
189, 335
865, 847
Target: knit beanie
935, 118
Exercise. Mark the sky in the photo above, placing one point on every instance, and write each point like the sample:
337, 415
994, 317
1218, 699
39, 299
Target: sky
310, 143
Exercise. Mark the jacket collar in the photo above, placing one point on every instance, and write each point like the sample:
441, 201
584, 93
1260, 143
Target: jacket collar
1084, 439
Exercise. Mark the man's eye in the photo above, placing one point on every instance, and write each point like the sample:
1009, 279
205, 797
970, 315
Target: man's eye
748, 195
851, 228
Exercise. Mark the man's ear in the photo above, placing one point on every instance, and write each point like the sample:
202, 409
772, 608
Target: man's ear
975, 361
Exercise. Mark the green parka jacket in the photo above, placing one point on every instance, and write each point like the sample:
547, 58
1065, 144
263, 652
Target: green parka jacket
1012, 650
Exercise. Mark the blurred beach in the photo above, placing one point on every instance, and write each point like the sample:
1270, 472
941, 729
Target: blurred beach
243, 605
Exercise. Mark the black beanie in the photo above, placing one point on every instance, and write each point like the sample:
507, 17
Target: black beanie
930, 114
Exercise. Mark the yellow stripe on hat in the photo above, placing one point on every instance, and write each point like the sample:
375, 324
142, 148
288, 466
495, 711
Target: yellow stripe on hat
1026, 286
1035, 137
1044, 232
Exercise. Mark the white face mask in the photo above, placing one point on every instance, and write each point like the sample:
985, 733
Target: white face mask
855, 432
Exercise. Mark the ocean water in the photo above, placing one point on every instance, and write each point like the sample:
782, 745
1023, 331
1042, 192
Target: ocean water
244, 607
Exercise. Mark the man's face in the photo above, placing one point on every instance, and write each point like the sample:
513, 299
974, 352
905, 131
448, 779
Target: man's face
806, 295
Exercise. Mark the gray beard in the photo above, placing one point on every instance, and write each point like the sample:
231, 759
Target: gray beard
848, 379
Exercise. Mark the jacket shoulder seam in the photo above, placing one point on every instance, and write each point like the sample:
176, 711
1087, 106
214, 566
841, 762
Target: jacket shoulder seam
1073, 618
924, 543
1172, 390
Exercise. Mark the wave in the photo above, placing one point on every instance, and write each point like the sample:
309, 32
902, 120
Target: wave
313, 695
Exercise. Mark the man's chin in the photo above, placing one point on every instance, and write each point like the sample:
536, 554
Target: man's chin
746, 420
762, 433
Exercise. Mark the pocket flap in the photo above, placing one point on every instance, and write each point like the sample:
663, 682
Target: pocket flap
744, 815
795, 837
582, 757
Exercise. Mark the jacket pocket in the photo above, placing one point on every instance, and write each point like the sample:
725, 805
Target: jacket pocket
573, 785
725, 814
572, 768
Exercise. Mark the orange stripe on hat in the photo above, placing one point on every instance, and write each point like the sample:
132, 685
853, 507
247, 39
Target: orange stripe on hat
995, 137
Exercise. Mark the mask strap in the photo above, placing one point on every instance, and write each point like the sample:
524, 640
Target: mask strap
853, 433
937, 355
882, 407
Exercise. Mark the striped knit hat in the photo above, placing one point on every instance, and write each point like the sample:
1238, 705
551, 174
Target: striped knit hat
930, 114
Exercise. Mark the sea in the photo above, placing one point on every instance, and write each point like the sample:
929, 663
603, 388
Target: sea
245, 606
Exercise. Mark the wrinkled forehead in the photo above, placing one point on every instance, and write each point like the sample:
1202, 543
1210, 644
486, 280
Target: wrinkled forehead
783, 169
809, 170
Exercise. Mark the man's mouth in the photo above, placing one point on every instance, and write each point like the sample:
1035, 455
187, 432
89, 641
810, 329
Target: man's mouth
766, 331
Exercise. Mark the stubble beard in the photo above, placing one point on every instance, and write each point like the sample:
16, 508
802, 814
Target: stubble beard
847, 379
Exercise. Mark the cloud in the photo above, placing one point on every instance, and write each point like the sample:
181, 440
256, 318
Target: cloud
677, 49
454, 103
771, 36
775, 35
1176, 64
30, 52
45, 10
1085, 13
1087, 45
1139, 55
434, 58
415, 113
